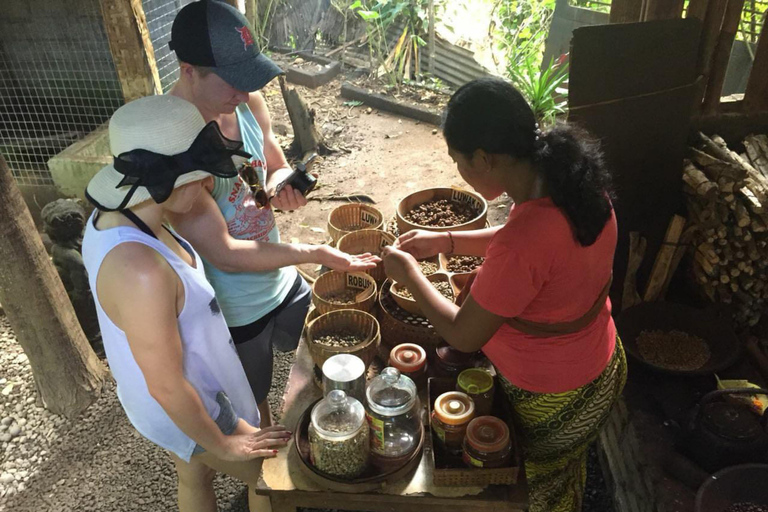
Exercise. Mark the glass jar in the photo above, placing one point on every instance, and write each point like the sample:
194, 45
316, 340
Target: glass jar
487, 444
339, 441
394, 416
450, 362
411, 360
451, 414
478, 384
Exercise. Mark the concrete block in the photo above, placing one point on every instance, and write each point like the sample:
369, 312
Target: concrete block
75, 166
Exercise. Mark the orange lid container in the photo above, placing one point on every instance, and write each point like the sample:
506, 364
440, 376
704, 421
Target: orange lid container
454, 408
488, 434
408, 357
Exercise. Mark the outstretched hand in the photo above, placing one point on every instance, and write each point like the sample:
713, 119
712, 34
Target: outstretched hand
260, 443
343, 262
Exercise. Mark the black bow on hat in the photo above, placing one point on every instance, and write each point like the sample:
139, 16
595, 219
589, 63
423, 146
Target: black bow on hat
211, 152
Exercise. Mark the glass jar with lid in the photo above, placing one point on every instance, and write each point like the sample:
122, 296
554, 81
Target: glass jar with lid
394, 416
487, 444
478, 384
339, 441
411, 360
450, 362
451, 414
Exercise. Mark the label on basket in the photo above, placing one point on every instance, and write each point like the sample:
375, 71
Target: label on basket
384, 243
357, 281
461, 196
377, 433
468, 459
368, 218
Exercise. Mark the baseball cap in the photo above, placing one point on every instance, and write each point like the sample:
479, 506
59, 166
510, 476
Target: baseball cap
214, 34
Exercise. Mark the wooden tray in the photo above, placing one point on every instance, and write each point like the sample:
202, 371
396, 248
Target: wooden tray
369, 481
450, 470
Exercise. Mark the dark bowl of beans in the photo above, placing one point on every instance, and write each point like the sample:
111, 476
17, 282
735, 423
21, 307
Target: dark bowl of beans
678, 339
742, 488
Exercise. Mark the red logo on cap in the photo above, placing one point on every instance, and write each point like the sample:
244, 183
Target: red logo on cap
246, 36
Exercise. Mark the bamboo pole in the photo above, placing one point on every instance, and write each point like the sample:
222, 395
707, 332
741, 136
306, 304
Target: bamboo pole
721, 55
663, 9
431, 41
626, 11
131, 47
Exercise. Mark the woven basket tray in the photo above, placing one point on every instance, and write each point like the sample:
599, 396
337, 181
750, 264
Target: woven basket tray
456, 195
358, 322
334, 282
399, 326
351, 217
367, 240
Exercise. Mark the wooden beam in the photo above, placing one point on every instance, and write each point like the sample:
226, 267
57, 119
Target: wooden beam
626, 11
131, 47
756, 95
697, 9
664, 259
722, 55
663, 10
712, 22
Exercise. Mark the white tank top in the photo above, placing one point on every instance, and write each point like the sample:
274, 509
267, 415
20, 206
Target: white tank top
209, 357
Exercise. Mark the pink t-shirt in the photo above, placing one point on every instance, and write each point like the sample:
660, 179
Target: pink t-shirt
535, 269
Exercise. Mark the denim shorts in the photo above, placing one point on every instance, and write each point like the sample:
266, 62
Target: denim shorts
226, 420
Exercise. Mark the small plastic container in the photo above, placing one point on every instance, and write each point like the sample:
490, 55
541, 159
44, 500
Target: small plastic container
450, 362
478, 384
411, 360
339, 442
451, 414
487, 443
394, 418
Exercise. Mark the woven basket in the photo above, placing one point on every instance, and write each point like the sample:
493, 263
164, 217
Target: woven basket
354, 321
367, 240
399, 326
353, 217
334, 282
408, 303
411, 201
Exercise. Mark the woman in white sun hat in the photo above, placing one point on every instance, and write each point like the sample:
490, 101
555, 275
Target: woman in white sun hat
178, 375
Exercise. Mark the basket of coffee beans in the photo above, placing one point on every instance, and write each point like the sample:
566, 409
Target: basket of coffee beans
351, 217
367, 241
347, 331
404, 298
441, 209
344, 290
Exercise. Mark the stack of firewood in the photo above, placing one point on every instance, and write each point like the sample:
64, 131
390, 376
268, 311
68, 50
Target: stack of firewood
728, 223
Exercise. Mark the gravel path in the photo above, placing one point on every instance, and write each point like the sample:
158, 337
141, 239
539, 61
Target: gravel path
99, 462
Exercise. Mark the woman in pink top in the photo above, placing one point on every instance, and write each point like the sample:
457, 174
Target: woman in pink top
538, 306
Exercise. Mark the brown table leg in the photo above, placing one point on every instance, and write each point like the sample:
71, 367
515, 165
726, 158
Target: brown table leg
282, 503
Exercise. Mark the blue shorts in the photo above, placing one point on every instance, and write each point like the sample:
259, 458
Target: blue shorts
226, 420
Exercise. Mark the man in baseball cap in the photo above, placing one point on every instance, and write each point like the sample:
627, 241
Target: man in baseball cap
262, 296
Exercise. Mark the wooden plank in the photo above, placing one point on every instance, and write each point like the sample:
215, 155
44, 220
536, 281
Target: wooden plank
711, 24
722, 55
697, 9
663, 10
637, 246
626, 11
131, 47
756, 95
663, 263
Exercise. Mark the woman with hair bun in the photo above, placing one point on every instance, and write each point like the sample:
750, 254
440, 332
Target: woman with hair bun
538, 307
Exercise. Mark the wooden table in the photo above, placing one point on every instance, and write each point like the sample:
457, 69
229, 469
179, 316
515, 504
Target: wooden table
285, 484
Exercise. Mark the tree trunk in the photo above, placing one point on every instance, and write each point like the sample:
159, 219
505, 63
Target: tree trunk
306, 137
68, 375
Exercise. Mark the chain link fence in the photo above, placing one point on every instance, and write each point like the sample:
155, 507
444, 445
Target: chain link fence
57, 82
160, 15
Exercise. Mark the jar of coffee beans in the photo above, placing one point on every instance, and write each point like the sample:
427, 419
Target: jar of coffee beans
339, 441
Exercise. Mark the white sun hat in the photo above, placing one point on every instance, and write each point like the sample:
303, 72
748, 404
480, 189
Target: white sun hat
159, 143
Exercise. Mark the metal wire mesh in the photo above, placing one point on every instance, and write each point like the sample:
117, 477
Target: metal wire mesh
160, 15
752, 20
57, 83
595, 5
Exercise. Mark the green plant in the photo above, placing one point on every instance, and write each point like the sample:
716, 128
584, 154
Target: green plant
519, 29
260, 14
543, 88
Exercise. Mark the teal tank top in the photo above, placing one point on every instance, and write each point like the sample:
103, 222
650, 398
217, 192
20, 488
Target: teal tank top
245, 297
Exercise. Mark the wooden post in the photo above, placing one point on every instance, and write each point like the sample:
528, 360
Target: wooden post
722, 55
756, 95
697, 9
431, 41
663, 9
663, 263
626, 11
131, 48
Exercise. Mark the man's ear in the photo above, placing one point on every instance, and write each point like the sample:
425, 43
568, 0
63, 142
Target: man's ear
186, 70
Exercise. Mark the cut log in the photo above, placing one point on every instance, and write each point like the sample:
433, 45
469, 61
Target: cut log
637, 247
306, 136
662, 265
698, 181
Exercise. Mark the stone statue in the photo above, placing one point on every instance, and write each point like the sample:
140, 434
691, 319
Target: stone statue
64, 220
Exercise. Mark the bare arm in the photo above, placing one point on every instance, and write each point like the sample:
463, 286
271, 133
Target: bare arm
466, 328
424, 244
139, 291
204, 227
